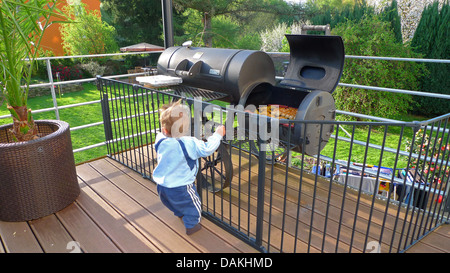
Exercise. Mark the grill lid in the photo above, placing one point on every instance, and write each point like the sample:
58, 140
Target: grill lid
316, 62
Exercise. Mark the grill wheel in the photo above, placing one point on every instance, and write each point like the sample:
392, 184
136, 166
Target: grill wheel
216, 170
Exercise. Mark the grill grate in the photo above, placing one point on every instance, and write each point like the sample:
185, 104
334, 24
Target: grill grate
193, 92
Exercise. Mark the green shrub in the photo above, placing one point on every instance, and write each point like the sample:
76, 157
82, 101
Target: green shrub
372, 36
432, 40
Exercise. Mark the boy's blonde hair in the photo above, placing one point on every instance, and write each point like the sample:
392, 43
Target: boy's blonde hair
176, 119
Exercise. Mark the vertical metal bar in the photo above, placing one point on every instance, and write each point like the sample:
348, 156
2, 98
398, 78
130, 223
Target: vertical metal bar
444, 203
436, 183
52, 87
392, 186
260, 194
424, 193
303, 134
413, 189
106, 121
360, 189
239, 184
231, 182
146, 112
330, 187
375, 191
315, 188
155, 110
270, 202
286, 181
139, 131
248, 190
110, 105
345, 188
106, 115
411, 198
131, 144
114, 109
415, 129
166, 6
120, 108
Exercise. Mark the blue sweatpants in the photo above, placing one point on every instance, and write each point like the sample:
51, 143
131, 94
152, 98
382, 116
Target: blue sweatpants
183, 201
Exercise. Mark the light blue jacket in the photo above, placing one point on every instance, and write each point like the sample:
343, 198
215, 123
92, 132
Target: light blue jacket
173, 169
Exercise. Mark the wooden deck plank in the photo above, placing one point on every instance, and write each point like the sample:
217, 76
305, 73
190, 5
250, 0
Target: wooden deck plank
84, 231
444, 230
18, 237
51, 234
145, 193
164, 238
125, 236
438, 241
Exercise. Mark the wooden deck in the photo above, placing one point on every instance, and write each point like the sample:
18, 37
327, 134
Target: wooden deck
119, 211
437, 241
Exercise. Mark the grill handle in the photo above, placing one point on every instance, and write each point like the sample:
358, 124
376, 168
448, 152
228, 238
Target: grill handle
324, 28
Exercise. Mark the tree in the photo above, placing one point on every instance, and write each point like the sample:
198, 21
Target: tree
238, 9
20, 37
332, 3
136, 21
372, 36
272, 39
336, 14
431, 39
390, 14
88, 35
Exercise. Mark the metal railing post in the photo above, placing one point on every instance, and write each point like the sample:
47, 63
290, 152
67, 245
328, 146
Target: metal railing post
52, 87
260, 194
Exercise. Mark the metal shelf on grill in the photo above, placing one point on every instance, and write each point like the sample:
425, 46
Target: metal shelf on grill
193, 92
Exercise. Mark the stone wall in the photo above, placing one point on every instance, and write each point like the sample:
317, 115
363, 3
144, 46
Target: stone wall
410, 12
45, 91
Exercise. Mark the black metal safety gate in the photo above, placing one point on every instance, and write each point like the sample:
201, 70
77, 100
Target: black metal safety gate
376, 186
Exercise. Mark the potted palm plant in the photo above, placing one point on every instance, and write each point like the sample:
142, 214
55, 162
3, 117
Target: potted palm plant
37, 168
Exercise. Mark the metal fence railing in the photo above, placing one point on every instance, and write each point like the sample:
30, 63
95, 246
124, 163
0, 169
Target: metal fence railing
52, 84
363, 192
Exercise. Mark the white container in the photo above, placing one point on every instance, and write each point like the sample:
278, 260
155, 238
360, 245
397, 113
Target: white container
159, 80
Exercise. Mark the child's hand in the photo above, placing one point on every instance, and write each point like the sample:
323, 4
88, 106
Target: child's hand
221, 130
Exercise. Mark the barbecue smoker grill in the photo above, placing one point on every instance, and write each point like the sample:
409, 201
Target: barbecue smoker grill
247, 77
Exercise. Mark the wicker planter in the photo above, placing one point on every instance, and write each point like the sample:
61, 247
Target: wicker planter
38, 177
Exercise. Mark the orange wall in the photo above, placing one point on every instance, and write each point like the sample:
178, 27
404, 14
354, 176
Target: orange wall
52, 37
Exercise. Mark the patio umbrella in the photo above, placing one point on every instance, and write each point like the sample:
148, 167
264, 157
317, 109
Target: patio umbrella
142, 47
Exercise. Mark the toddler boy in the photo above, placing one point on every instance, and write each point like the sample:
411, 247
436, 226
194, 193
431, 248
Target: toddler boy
178, 154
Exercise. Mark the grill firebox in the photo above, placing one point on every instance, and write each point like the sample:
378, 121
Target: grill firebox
247, 77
